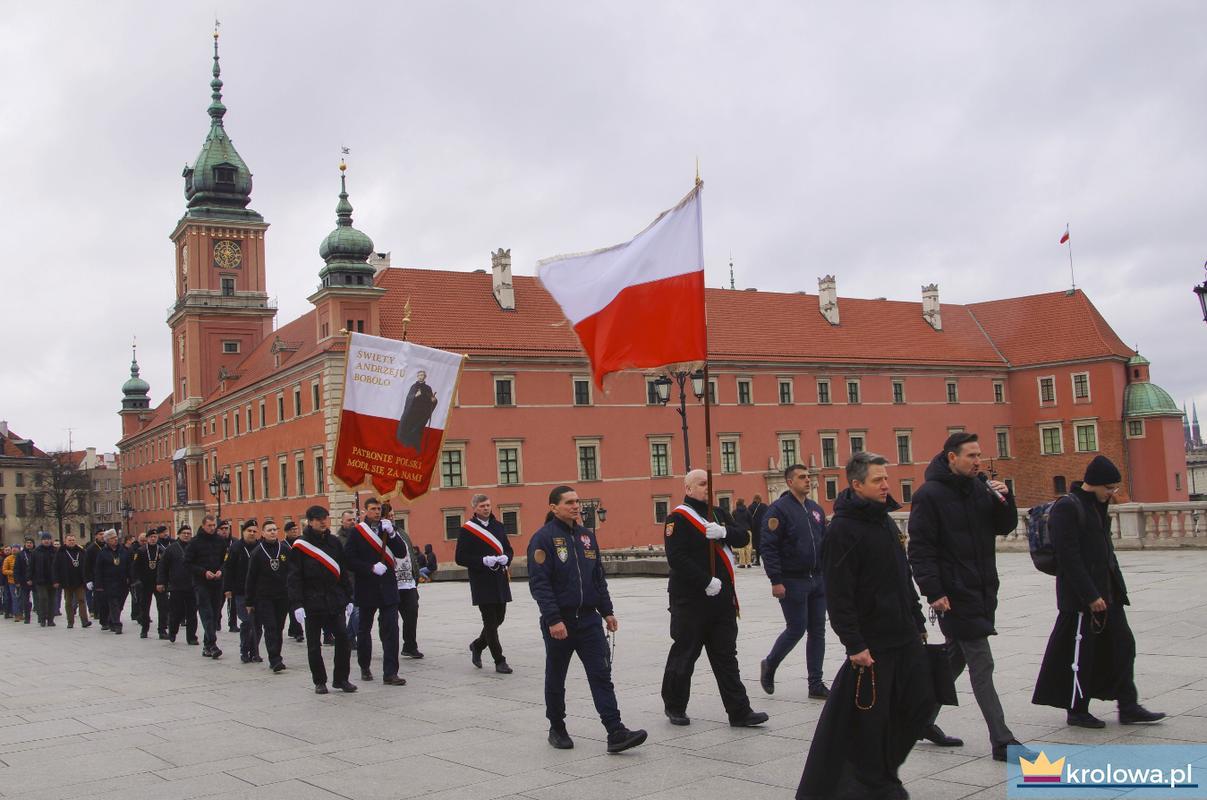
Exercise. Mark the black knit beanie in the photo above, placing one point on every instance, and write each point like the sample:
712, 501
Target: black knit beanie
1101, 472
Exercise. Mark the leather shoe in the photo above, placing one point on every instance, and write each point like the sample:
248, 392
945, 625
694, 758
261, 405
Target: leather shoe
412, 654
194, 642
678, 717
215, 652
278, 667
475, 656
1000, 752
366, 674
320, 688
1138, 715
394, 680
766, 677
623, 739
819, 692
1083, 719
934, 734
345, 686
751, 720
560, 739
503, 668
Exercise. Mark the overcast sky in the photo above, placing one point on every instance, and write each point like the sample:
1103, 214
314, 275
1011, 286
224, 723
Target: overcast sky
892, 144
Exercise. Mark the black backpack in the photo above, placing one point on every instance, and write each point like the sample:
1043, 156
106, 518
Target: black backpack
1039, 537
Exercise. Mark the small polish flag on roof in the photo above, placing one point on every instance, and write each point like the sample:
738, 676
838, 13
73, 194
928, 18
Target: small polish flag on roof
1064, 237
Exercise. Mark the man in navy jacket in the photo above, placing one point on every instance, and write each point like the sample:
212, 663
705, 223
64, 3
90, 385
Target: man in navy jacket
792, 533
371, 560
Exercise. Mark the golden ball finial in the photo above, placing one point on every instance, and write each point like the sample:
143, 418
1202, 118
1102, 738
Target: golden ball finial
342, 166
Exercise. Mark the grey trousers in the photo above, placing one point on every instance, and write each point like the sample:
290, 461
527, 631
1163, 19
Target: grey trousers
976, 655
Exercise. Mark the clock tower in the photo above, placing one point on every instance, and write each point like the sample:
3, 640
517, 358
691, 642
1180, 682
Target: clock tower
222, 310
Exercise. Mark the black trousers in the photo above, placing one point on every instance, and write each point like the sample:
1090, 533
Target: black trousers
101, 603
315, 622
209, 609
408, 609
584, 636
183, 608
387, 631
270, 615
143, 611
492, 618
713, 627
117, 602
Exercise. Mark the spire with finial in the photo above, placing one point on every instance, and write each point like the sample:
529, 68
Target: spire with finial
732, 284
345, 251
1195, 435
217, 110
135, 391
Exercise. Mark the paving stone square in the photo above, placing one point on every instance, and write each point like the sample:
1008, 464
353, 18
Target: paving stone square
86, 714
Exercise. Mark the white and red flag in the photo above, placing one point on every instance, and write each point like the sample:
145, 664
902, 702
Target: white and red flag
639, 304
1064, 237
396, 402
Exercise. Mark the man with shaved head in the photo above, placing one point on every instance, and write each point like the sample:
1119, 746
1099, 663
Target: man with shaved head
704, 604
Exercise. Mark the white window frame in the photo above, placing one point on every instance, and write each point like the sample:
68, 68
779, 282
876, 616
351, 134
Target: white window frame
494, 391
1128, 429
230, 347
909, 441
833, 437
1060, 440
948, 385
999, 385
447, 534
907, 483
737, 453
1089, 392
780, 439
595, 442
829, 392
1039, 389
1085, 423
510, 444
654, 501
997, 432
858, 384
665, 441
318, 468
574, 379
780, 382
513, 508
830, 487
460, 448
651, 391
859, 434
893, 395
749, 383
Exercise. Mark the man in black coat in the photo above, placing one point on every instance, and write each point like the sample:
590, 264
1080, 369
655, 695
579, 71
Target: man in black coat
756, 510
370, 555
703, 605
317, 582
177, 581
234, 583
265, 594
1091, 652
23, 581
69, 578
90, 552
144, 572
882, 697
485, 552
205, 557
42, 577
954, 523
111, 579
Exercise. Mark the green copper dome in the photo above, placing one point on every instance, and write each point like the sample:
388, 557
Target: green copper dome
1148, 400
346, 250
135, 390
1138, 361
218, 184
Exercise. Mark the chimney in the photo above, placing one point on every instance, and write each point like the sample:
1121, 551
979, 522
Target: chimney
827, 298
3, 429
89, 458
379, 261
930, 306
500, 265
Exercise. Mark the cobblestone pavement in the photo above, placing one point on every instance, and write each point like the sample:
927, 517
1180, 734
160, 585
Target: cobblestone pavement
89, 714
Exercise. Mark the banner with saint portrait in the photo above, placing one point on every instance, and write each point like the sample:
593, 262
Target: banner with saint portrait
397, 397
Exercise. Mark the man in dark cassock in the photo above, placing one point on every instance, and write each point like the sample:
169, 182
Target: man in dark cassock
1091, 652
882, 698
421, 402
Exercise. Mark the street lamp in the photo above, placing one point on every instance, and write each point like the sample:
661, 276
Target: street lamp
1201, 291
127, 514
593, 512
662, 385
218, 486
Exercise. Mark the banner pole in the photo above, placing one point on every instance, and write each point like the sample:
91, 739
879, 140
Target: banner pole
712, 551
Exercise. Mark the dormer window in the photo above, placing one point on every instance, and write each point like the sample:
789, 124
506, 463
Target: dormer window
224, 175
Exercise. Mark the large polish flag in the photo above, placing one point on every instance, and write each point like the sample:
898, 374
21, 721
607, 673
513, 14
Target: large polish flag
639, 304
396, 402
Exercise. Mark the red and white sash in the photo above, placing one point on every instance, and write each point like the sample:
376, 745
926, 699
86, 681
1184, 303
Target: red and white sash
375, 542
318, 555
485, 535
699, 523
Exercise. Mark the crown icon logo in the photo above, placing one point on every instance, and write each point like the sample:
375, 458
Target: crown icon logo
1041, 770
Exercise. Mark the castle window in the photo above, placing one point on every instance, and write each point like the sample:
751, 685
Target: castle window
228, 287
230, 347
225, 175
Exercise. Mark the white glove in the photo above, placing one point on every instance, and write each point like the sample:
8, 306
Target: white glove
89, 585
379, 568
714, 587
300, 615
489, 561
387, 526
348, 610
501, 560
714, 531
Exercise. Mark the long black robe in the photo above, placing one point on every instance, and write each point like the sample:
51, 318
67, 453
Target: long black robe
421, 402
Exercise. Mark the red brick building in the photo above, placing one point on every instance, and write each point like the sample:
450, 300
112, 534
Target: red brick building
796, 377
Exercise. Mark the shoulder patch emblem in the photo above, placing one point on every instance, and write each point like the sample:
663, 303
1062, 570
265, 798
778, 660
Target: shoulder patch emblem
538, 556
670, 527
773, 523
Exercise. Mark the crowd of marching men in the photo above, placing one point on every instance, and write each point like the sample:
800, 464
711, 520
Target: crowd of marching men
854, 567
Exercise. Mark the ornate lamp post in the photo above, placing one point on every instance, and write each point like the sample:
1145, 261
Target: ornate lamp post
127, 515
593, 514
1201, 291
218, 487
663, 387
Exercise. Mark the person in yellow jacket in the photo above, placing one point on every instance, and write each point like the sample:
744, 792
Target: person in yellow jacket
7, 586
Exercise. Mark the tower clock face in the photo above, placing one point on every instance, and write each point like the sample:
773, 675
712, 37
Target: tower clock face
227, 254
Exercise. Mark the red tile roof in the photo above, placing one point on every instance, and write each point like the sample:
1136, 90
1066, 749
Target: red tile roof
299, 340
1046, 328
9, 449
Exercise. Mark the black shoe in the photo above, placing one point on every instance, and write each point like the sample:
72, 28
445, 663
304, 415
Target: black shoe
233, 629
320, 688
256, 658
935, 735
105, 627
116, 629
207, 652
345, 686
766, 677
394, 680
366, 674
172, 639
299, 638
70, 625
41, 624
412, 654
194, 642
50, 624
1138, 715
475, 658
819, 691
623, 739
678, 717
246, 659
560, 739
1083, 719
503, 668
752, 719
278, 667
1000, 752
142, 634
215, 652
87, 623
163, 635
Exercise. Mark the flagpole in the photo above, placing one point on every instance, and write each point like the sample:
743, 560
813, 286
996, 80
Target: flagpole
1072, 277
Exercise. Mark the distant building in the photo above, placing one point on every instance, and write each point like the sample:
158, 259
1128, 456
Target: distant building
796, 377
20, 463
104, 505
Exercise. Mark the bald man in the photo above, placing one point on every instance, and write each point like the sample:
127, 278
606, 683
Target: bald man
704, 604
